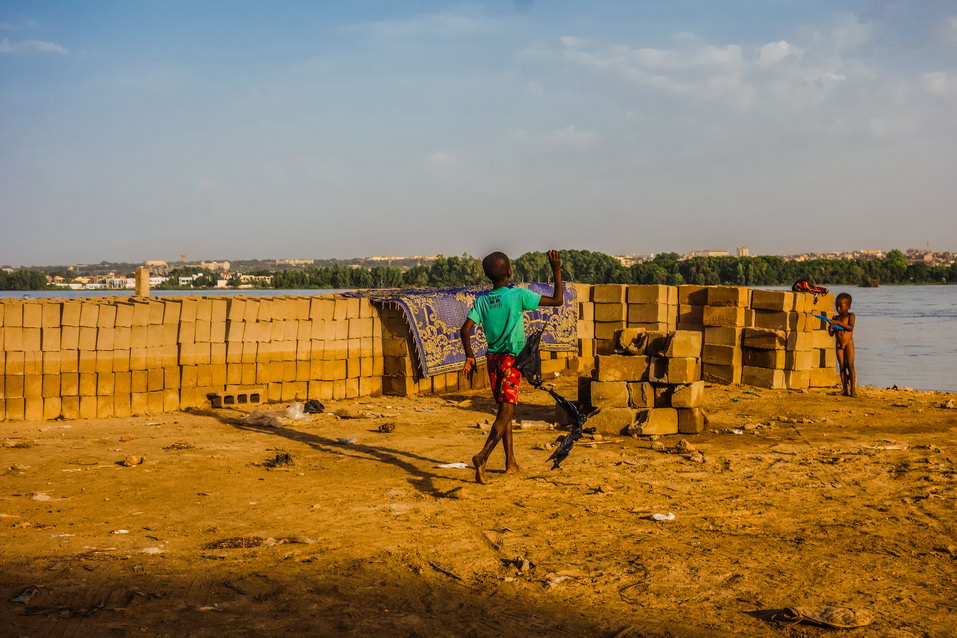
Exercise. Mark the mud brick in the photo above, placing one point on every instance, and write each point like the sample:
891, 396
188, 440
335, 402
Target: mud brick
321, 309
13, 386
652, 294
728, 296
69, 338
821, 357
604, 347
352, 387
688, 396
586, 312
50, 314
104, 361
763, 377
13, 315
683, 343
722, 375
674, 370
139, 358
217, 353
33, 409
321, 390
777, 320
169, 356
104, 407
122, 382
822, 305
438, 383
655, 421
340, 309
105, 338
799, 341
69, 361
251, 311
607, 312
139, 403
339, 389
630, 340
361, 327
340, 370
647, 313
139, 336
722, 355
234, 373
609, 293
154, 379
170, 400
820, 339
86, 361
763, 358
692, 295
622, 368
775, 300
70, 314
141, 313
586, 347
217, 331
797, 379
365, 366
171, 312
234, 331
32, 315
690, 420
13, 339
723, 336
15, 408
236, 309
105, 383
122, 406
365, 309
201, 331
723, 316
139, 381
248, 373
302, 371
70, 407
367, 387
187, 310
171, 378
217, 373
234, 353
32, 386
154, 336
605, 330
32, 339
690, 315
398, 386
553, 366
187, 332
798, 360
655, 326
662, 395
585, 329
70, 384
248, 352
641, 394
51, 386
801, 302
218, 311
122, 338
612, 420
764, 339
106, 316
87, 407
823, 378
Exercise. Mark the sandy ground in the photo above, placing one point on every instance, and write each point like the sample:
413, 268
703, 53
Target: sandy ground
802, 504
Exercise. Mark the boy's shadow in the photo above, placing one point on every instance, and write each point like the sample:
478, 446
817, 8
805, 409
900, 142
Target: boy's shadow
421, 479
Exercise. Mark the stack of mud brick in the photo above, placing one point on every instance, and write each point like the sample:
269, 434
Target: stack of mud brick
123, 356
402, 376
652, 385
653, 308
764, 338
786, 345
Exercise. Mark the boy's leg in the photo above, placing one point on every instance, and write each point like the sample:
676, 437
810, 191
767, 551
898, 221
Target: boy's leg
840, 366
511, 465
502, 424
851, 371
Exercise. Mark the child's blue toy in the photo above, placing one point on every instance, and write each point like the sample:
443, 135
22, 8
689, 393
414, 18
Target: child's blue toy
831, 323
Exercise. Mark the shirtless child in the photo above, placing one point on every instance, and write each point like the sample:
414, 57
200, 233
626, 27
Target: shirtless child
844, 342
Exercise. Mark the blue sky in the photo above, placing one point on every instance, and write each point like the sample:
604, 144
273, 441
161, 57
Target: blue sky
143, 130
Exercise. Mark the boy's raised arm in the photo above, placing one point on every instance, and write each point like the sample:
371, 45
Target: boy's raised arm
558, 297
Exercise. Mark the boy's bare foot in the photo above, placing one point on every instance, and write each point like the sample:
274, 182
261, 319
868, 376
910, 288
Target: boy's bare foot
512, 468
479, 469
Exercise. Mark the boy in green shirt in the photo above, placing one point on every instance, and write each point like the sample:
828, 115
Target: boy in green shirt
500, 313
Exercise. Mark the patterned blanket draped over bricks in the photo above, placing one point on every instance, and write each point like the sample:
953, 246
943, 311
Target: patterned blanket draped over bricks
435, 316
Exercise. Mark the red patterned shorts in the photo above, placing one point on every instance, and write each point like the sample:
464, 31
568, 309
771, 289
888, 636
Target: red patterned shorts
504, 377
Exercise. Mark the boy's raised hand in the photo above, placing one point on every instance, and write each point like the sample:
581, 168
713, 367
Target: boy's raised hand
555, 259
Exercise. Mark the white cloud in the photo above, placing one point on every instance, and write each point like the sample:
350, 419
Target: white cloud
572, 136
26, 24
429, 24
949, 30
30, 46
940, 83
775, 52
850, 33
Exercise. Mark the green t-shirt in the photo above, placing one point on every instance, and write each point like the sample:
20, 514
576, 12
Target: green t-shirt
500, 313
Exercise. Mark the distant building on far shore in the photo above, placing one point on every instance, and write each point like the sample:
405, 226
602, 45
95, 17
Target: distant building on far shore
707, 253
743, 251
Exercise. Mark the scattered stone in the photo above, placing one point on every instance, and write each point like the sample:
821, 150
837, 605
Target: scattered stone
520, 563
236, 542
40, 496
179, 445
152, 550
350, 413
280, 460
387, 428
949, 404
130, 461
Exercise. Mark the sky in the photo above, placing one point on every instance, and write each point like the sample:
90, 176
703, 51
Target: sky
248, 129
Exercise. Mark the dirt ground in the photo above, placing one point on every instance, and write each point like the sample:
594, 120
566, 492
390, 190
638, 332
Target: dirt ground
801, 499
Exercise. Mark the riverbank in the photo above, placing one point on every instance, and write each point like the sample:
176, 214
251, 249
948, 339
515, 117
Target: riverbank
819, 499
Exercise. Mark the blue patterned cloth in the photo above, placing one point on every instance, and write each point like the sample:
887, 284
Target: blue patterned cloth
435, 316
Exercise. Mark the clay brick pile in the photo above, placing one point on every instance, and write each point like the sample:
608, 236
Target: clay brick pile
122, 356
651, 386
653, 308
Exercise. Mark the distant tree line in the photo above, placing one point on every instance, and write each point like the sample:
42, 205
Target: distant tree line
589, 267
